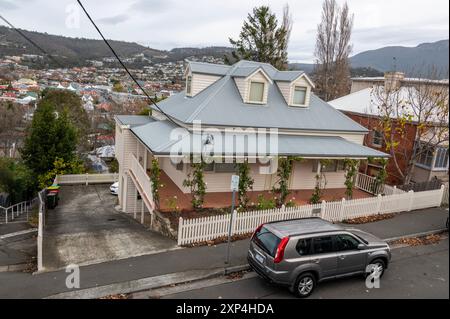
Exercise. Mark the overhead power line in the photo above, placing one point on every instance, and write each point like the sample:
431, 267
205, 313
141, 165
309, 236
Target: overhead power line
31, 41
123, 65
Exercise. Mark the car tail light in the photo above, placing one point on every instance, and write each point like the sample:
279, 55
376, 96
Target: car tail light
257, 230
280, 250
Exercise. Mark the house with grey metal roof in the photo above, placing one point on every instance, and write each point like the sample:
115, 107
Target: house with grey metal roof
248, 111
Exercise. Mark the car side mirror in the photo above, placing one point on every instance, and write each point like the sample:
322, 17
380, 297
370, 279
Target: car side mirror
361, 246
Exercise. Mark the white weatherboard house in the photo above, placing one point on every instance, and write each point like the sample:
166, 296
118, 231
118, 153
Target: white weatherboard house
247, 95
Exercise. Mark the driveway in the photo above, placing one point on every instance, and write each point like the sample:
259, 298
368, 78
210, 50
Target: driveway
86, 229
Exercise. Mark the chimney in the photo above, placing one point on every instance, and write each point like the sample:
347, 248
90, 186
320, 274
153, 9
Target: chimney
392, 80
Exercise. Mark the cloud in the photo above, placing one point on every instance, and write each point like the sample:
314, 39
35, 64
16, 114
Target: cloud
8, 5
114, 19
151, 5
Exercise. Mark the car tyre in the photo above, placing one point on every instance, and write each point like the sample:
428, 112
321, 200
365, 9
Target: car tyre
304, 285
380, 265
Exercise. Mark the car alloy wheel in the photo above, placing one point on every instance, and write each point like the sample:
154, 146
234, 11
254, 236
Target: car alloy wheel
377, 268
305, 285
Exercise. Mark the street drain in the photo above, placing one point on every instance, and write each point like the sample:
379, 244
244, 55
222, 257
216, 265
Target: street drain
111, 219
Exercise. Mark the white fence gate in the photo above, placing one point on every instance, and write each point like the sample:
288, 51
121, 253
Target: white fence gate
208, 228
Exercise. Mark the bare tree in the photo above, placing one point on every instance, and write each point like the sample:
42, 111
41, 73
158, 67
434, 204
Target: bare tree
332, 72
413, 120
12, 125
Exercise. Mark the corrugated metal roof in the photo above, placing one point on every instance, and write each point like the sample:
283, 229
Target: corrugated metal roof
134, 120
221, 104
157, 136
287, 76
244, 71
209, 68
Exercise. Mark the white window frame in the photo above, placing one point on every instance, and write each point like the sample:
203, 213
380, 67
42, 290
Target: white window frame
375, 137
424, 165
306, 95
442, 153
250, 90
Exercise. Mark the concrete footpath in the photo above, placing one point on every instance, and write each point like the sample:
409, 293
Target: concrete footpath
151, 271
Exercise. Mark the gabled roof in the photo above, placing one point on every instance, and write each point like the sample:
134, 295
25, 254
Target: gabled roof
220, 104
209, 68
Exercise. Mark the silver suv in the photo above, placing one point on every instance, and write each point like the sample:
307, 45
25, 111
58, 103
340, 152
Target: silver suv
302, 252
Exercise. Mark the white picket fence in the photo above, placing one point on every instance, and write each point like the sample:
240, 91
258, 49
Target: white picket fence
445, 197
392, 190
208, 228
86, 179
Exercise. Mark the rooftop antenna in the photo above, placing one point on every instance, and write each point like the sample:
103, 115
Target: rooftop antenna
394, 61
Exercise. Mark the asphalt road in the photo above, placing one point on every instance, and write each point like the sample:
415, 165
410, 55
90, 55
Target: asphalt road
414, 272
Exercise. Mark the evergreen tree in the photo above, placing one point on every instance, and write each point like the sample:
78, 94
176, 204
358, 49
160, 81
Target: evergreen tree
262, 40
70, 102
50, 136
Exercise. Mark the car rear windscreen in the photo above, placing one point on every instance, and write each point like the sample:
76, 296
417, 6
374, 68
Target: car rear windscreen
267, 241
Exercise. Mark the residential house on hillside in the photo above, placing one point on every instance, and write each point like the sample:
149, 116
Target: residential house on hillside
279, 105
394, 79
363, 106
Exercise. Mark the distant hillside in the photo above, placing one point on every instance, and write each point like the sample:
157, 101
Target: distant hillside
407, 59
69, 50
181, 53
76, 51
359, 71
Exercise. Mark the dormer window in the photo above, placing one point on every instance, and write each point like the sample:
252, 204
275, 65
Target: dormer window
189, 85
299, 97
256, 92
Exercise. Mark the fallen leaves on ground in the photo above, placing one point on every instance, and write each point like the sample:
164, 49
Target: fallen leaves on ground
236, 275
417, 241
219, 240
368, 219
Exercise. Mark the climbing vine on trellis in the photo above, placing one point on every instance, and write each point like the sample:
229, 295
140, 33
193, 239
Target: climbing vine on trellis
245, 183
321, 182
380, 179
195, 181
351, 167
284, 171
155, 173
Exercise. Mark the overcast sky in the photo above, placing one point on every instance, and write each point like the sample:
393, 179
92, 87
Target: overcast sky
165, 24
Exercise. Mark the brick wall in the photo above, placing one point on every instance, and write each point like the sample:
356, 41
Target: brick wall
406, 146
